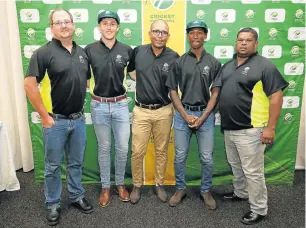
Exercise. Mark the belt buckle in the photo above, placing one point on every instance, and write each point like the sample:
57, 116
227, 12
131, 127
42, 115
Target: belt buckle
150, 106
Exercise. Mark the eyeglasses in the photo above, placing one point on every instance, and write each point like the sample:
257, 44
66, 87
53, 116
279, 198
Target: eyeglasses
60, 23
159, 32
240, 41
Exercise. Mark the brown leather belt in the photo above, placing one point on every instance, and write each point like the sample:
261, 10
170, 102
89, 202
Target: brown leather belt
108, 99
151, 106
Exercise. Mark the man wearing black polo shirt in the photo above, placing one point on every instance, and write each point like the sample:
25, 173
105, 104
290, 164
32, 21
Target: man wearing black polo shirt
250, 105
64, 129
109, 108
153, 112
194, 73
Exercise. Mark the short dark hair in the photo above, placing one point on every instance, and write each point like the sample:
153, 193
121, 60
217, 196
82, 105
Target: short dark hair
248, 29
56, 10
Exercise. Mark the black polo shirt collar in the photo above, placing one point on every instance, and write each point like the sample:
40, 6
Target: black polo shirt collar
193, 55
59, 43
250, 57
156, 56
103, 44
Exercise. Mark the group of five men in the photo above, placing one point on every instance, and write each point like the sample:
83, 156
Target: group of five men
248, 90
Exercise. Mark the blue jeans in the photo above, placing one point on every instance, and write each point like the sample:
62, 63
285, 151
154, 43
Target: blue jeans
108, 118
69, 136
205, 138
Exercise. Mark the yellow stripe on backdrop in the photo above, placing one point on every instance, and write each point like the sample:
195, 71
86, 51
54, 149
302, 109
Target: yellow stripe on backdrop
172, 11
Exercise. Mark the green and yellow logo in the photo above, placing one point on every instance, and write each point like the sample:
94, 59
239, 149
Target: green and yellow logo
250, 14
295, 50
273, 32
224, 33
299, 14
274, 15
200, 14
79, 32
127, 33
29, 15
293, 67
288, 117
77, 15
162, 4
292, 84
224, 15
290, 102
126, 15
271, 51
31, 32
223, 51
297, 32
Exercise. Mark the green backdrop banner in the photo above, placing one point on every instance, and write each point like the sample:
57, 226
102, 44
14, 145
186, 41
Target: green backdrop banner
281, 28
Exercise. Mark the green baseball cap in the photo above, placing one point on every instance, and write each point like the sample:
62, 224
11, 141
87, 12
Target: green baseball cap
108, 14
197, 24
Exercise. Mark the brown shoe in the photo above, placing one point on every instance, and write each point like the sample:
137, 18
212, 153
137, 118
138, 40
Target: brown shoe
104, 197
209, 201
177, 198
123, 193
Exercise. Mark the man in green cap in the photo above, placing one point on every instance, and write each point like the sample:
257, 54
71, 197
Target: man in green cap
194, 72
109, 107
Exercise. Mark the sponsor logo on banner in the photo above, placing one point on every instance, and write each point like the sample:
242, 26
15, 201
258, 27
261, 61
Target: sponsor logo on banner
299, 15
288, 118
272, 51
31, 33
223, 52
130, 85
79, 15
249, 15
127, 33
88, 119
295, 51
198, 2
292, 85
298, 1
29, 15
102, 1
208, 35
35, 118
127, 15
224, 33
272, 33
217, 119
97, 34
294, 68
296, 33
162, 4
48, 34
79, 33
29, 49
200, 14
275, 15
256, 29
225, 15
250, 1
53, 1
291, 102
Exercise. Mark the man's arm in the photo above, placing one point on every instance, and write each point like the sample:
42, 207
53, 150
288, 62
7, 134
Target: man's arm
190, 119
32, 91
275, 107
210, 107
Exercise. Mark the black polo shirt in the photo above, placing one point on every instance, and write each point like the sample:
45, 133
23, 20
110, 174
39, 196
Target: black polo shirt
244, 101
68, 73
152, 73
108, 67
194, 77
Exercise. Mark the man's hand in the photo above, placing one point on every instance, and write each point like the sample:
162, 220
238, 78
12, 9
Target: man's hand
190, 119
267, 135
198, 123
47, 122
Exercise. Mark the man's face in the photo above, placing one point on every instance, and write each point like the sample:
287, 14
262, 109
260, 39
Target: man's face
196, 37
246, 44
62, 26
109, 28
159, 34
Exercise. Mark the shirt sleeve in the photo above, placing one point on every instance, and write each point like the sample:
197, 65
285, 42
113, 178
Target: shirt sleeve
172, 80
86, 50
217, 82
131, 67
272, 80
37, 67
